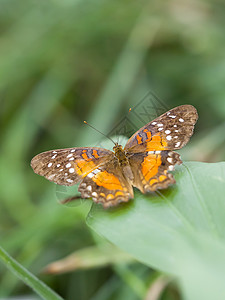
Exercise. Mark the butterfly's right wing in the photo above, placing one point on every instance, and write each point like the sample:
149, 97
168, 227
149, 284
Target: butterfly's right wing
170, 131
149, 149
69, 166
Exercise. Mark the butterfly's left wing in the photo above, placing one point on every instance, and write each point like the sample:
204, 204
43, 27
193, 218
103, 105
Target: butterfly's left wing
69, 166
96, 169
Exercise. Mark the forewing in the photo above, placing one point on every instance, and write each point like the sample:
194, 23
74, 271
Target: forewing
152, 171
106, 185
170, 131
69, 166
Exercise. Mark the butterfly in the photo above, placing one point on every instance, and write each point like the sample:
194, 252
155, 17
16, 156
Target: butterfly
108, 177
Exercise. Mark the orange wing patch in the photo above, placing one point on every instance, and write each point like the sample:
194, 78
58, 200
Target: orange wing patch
84, 155
158, 180
156, 142
95, 154
150, 166
108, 181
154, 170
139, 139
84, 167
162, 177
108, 188
149, 135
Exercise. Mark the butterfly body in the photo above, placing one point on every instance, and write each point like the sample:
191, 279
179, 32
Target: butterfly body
120, 154
109, 177
123, 161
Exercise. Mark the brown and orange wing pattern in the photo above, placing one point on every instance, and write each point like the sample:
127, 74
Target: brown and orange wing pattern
170, 131
150, 147
99, 173
96, 169
152, 171
106, 185
69, 166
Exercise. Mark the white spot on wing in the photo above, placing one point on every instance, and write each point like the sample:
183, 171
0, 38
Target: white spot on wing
54, 156
89, 188
170, 160
169, 137
181, 120
73, 150
58, 165
177, 144
151, 152
68, 165
96, 171
159, 124
71, 170
173, 117
94, 194
175, 125
90, 175
72, 158
54, 151
49, 165
157, 152
69, 180
171, 168
160, 128
154, 123
167, 132
93, 173
69, 155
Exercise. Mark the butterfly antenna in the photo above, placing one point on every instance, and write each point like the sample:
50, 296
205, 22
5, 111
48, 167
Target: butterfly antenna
85, 122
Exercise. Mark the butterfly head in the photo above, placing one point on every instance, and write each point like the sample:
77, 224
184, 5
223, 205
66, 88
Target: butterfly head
117, 148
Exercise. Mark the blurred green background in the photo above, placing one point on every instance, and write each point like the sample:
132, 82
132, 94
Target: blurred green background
62, 62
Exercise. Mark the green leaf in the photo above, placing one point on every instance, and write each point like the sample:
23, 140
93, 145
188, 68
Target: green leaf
180, 231
38, 286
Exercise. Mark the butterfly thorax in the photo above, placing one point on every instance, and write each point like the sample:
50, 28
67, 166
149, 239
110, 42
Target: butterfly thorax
120, 155
123, 161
